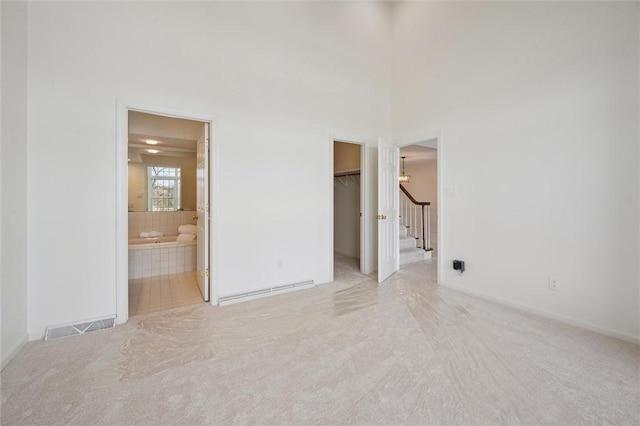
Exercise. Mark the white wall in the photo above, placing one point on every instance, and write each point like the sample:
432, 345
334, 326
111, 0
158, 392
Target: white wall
137, 187
537, 105
13, 178
280, 79
423, 185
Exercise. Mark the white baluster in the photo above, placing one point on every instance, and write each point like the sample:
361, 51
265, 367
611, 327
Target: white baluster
428, 233
416, 215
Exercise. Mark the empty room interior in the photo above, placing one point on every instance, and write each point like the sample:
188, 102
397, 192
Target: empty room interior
475, 261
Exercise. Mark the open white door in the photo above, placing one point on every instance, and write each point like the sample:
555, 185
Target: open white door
363, 209
202, 184
388, 212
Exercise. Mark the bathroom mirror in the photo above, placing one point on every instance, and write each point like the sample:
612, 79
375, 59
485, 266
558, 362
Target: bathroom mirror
162, 162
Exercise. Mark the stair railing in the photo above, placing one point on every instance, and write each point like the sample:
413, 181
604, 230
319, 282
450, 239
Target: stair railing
416, 216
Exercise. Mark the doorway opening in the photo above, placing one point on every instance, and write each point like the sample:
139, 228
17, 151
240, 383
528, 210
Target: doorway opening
421, 187
349, 229
421, 173
393, 217
163, 218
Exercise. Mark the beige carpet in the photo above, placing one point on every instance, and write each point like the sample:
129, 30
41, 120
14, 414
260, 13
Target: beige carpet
350, 352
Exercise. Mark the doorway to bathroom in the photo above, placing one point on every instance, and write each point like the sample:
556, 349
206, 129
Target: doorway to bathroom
164, 211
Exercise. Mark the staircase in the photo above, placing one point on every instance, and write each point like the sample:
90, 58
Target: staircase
409, 252
414, 230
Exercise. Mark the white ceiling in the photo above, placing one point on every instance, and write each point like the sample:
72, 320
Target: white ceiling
418, 153
176, 137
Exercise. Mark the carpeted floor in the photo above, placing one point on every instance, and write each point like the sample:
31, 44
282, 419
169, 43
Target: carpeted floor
350, 352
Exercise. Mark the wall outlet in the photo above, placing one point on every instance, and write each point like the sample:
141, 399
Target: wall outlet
553, 284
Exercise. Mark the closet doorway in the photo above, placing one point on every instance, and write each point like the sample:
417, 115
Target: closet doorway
349, 230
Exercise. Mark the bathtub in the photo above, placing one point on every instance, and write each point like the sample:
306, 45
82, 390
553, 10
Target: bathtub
150, 257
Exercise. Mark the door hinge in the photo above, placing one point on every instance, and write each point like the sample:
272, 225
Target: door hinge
206, 207
206, 272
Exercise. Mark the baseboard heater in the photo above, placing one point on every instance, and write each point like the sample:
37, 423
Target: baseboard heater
58, 331
239, 297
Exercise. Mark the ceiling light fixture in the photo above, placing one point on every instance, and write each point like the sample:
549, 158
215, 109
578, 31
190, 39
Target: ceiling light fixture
151, 142
404, 178
153, 151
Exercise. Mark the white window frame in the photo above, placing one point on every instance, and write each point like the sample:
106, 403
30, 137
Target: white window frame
150, 179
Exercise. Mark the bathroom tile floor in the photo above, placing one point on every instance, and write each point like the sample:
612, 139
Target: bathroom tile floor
153, 294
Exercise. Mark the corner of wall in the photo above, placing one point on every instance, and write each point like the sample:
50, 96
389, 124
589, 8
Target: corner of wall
542, 313
13, 212
13, 351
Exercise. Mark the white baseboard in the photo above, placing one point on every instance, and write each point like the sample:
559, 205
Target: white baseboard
36, 334
266, 292
542, 313
13, 351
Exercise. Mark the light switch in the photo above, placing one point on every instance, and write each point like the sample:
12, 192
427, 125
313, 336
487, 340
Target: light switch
451, 191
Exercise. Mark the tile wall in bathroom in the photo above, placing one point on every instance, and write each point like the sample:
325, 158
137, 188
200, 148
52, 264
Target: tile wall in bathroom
150, 262
167, 222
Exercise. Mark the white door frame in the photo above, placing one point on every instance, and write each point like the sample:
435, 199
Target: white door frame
437, 136
122, 219
365, 263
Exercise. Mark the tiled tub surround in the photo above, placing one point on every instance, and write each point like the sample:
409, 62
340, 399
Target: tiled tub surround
167, 222
160, 258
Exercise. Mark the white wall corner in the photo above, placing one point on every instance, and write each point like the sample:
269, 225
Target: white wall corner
36, 335
542, 313
13, 351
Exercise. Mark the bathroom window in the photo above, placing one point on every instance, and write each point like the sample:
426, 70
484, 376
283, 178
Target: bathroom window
164, 188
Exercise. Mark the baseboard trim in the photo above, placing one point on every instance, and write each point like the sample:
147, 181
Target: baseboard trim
265, 292
542, 313
13, 351
36, 335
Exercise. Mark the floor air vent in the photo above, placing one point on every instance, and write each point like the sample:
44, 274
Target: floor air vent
241, 297
77, 329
